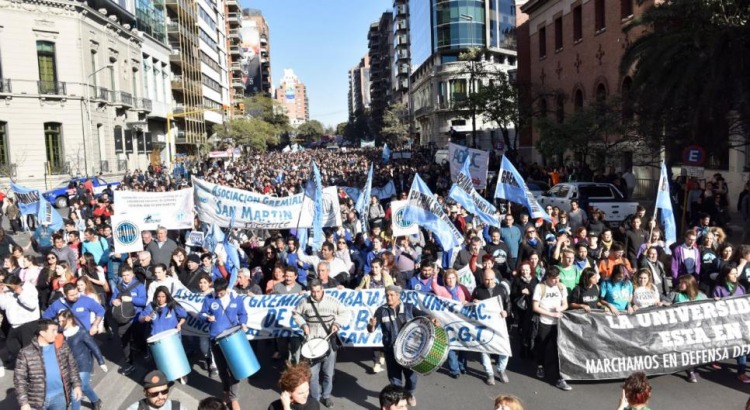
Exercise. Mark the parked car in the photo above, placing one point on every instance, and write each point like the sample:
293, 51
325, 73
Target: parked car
62, 194
537, 188
590, 195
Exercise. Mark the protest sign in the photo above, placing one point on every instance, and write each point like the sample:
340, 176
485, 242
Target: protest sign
654, 341
478, 162
149, 210
126, 235
474, 327
466, 278
400, 225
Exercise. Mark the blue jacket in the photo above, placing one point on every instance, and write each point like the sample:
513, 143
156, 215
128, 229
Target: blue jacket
138, 293
415, 283
511, 235
165, 319
234, 314
83, 346
82, 310
291, 260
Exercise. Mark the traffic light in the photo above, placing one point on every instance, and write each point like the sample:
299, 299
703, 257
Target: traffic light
226, 110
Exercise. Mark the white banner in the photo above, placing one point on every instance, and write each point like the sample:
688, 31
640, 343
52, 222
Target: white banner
149, 210
474, 327
477, 166
126, 235
216, 204
399, 225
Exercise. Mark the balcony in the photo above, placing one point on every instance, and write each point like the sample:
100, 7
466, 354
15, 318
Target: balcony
235, 50
263, 40
237, 67
233, 4
103, 94
177, 84
122, 99
237, 83
233, 19
175, 56
142, 104
51, 87
5, 87
235, 36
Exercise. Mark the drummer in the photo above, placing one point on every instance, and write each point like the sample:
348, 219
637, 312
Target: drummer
164, 314
392, 317
223, 309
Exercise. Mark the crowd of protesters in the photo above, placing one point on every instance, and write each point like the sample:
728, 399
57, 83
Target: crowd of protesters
538, 268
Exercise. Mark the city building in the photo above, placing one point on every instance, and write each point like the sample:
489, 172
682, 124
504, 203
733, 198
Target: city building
234, 55
213, 43
439, 33
71, 89
256, 60
401, 56
380, 49
359, 88
292, 97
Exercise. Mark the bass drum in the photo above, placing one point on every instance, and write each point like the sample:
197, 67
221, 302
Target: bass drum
421, 346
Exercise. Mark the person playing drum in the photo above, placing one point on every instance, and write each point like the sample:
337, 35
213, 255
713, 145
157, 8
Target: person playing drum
392, 317
164, 314
321, 316
224, 310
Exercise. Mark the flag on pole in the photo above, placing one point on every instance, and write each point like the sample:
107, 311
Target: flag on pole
386, 154
510, 186
314, 191
425, 211
32, 202
664, 202
464, 193
363, 200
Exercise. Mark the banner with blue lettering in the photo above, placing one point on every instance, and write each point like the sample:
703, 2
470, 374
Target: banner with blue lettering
30, 201
216, 204
464, 193
478, 162
366, 144
425, 211
511, 186
474, 327
149, 210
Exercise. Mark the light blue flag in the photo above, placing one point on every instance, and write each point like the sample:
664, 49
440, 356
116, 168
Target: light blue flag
352, 192
424, 210
32, 202
315, 192
464, 193
510, 186
386, 154
214, 237
232, 264
363, 201
664, 202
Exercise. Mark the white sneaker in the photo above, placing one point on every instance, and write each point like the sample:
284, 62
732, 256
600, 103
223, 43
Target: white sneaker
377, 368
2, 370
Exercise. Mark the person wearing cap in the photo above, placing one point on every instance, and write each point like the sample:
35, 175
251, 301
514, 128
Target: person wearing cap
193, 272
156, 392
42, 238
457, 219
532, 242
245, 284
391, 318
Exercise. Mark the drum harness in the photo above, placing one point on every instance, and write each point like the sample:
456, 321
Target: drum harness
336, 343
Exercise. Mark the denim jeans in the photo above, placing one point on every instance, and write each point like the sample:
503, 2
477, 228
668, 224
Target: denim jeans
456, 361
322, 376
88, 391
742, 364
55, 403
398, 375
502, 364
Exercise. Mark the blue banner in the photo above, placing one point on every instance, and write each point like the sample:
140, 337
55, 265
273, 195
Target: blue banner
31, 202
664, 202
464, 193
510, 186
424, 210
386, 154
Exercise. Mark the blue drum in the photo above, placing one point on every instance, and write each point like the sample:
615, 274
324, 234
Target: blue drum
169, 354
240, 356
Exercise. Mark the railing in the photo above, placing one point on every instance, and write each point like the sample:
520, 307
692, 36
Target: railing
51, 87
103, 94
645, 188
173, 27
5, 86
121, 97
143, 104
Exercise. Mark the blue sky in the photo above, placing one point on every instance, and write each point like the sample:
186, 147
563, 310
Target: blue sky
321, 40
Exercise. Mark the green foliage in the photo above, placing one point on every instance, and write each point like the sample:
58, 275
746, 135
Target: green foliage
396, 123
341, 128
253, 132
268, 110
312, 130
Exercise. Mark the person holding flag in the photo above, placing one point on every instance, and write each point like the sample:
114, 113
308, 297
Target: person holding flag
424, 210
510, 186
664, 202
466, 195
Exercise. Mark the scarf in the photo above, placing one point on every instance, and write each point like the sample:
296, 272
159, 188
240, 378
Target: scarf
532, 241
607, 244
454, 292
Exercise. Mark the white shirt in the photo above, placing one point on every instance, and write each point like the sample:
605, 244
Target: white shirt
552, 301
168, 282
337, 265
21, 309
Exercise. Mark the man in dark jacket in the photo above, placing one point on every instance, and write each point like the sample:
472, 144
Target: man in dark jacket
471, 256
193, 272
46, 371
488, 289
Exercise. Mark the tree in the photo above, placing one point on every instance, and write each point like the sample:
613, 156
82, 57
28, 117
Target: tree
396, 123
253, 132
690, 71
268, 110
341, 128
311, 130
498, 101
472, 103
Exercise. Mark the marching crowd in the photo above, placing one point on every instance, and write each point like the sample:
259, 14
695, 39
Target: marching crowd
54, 307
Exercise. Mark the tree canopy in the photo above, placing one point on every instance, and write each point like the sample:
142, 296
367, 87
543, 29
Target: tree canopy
396, 123
312, 130
252, 132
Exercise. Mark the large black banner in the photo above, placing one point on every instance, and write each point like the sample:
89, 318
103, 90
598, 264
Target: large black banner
664, 340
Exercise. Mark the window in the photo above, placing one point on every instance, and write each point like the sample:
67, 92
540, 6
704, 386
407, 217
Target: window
560, 110
54, 147
626, 8
627, 105
458, 90
3, 143
135, 84
558, 34
578, 101
577, 23
93, 68
601, 93
599, 15
45, 55
119, 143
542, 42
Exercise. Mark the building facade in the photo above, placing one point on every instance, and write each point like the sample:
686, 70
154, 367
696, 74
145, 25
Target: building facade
359, 87
440, 30
380, 50
401, 56
292, 96
256, 53
71, 85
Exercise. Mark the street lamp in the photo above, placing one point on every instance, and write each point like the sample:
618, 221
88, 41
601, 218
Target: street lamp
88, 114
470, 19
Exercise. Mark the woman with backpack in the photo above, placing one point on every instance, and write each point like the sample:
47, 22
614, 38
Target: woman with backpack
83, 346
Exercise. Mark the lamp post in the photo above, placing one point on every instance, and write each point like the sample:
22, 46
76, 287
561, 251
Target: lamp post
470, 19
88, 115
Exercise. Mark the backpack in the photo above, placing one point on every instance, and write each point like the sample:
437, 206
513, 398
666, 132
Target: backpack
126, 311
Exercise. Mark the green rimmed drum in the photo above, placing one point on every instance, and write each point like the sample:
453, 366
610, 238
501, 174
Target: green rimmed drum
421, 346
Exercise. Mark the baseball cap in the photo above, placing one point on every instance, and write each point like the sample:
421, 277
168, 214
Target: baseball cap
193, 257
550, 237
155, 379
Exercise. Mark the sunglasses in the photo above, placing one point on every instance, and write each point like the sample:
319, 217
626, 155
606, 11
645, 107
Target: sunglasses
342, 243
158, 393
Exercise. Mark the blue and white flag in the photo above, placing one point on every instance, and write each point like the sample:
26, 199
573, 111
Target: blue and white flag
31, 202
510, 186
314, 191
363, 201
425, 211
386, 154
352, 192
280, 177
464, 193
664, 202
